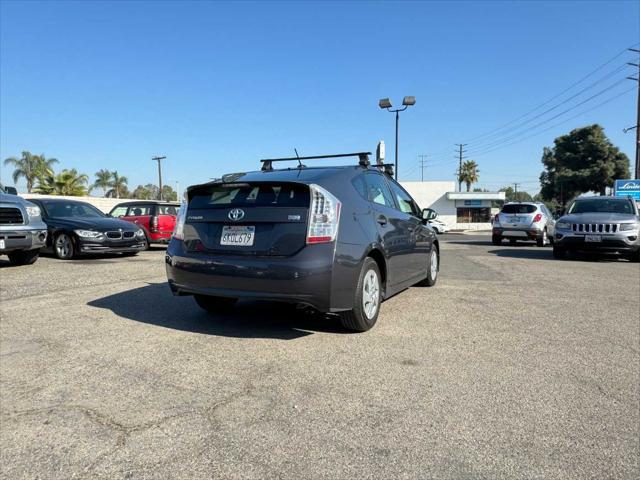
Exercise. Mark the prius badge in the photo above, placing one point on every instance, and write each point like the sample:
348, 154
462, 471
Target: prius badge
236, 214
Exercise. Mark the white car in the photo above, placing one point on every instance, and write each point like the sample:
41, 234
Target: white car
438, 226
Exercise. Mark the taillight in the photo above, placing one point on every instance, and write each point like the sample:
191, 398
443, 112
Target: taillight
537, 218
178, 231
154, 223
324, 215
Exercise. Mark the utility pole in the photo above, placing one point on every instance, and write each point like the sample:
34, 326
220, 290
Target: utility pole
515, 191
159, 159
637, 127
423, 164
460, 152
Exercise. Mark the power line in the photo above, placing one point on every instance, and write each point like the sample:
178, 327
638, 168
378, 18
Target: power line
493, 149
593, 72
496, 136
423, 164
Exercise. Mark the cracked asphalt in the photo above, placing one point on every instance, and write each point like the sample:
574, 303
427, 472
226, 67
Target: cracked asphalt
514, 365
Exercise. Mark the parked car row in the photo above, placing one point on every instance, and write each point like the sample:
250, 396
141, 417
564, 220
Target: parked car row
593, 224
68, 228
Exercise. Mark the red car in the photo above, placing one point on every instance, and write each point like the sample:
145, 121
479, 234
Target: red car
156, 218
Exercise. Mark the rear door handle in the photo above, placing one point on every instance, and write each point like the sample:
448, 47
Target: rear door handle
382, 220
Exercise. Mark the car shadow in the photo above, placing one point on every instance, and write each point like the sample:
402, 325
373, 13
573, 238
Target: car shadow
155, 305
546, 253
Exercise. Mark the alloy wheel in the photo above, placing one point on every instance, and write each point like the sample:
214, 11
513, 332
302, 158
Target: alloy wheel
63, 245
434, 264
370, 294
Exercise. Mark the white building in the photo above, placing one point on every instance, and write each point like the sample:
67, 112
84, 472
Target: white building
459, 210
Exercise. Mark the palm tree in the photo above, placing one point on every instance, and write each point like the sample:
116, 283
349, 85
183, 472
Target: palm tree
118, 185
469, 173
103, 181
67, 182
30, 167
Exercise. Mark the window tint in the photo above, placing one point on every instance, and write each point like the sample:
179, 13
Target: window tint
404, 201
248, 195
360, 185
71, 209
377, 190
118, 212
168, 209
601, 205
519, 208
139, 210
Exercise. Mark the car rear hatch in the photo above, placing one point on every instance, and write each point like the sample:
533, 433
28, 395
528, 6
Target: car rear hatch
519, 216
258, 218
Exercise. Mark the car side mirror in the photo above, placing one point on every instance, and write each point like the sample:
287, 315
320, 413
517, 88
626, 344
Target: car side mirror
11, 190
428, 214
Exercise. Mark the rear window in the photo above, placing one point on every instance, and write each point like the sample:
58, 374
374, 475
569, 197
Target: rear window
168, 209
519, 208
250, 195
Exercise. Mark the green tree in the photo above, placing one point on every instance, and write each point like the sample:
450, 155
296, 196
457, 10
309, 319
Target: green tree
103, 181
168, 194
582, 161
67, 182
30, 167
469, 173
118, 186
510, 195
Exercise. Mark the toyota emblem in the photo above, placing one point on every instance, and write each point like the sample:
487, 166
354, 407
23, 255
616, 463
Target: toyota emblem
236, 214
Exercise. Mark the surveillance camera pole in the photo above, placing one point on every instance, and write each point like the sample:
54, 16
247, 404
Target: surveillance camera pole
159, 159
406, 103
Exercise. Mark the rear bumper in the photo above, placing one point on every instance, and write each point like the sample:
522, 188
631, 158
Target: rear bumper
517, 233
301, 278
22, 239
163, 238
610, 243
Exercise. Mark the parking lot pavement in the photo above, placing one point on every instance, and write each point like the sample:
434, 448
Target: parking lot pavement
514, 366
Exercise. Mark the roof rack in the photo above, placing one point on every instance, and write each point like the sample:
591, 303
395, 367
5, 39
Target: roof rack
267, 163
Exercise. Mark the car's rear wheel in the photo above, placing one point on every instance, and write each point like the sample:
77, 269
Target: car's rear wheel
543, 239
559, 252
23, 257
635, 256
368, 296
215, 304
496, 240
433, 267
63, 246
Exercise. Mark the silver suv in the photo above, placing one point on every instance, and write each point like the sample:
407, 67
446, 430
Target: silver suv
523, 221
22, 231
603, 224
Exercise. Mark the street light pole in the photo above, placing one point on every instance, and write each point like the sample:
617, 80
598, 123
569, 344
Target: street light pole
385, 103
159, 159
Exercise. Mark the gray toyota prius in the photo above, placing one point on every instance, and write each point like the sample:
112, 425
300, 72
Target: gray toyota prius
339, 239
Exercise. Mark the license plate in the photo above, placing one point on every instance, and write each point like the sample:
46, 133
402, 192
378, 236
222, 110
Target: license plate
593, 238
240, 236
1, 244
515, 220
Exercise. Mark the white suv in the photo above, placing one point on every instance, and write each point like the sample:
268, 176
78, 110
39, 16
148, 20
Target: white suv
523, 221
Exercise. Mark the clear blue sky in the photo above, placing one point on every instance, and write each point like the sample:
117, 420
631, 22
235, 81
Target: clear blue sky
216, 86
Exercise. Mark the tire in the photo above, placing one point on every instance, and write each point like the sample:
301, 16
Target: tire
23, 257
367, 299
559, 252
635, 257
496, 240
214, 305
433, 267
512, 241
64, 246
130, 254
543, 239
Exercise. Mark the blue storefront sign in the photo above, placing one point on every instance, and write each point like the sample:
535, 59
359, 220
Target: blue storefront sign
473, 203
627, 188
